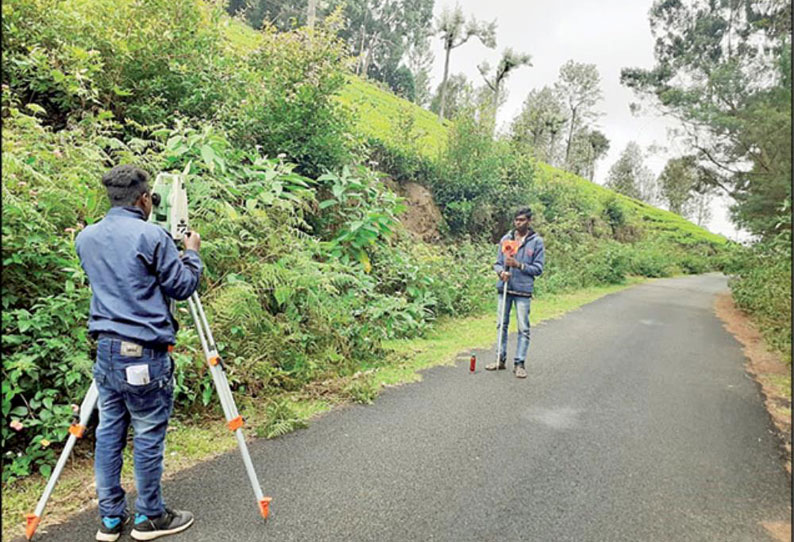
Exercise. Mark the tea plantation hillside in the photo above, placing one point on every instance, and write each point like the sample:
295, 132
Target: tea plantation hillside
381, 115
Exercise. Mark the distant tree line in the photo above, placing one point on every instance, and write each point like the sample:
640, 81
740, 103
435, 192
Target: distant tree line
390, 39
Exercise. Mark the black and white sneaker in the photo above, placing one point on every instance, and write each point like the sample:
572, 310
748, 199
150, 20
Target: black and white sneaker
171, 522
110, 528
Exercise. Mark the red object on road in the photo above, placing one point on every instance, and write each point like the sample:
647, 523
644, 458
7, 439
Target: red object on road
472, 363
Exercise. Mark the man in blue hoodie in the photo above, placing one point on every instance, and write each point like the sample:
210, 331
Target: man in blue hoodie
133, 267
518, 273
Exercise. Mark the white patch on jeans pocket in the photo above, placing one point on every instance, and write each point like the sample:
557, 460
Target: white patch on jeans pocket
138, 375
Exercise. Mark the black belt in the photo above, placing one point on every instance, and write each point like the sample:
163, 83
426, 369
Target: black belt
157, 347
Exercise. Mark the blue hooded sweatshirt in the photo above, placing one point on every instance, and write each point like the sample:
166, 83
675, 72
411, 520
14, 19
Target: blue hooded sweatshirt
531, 255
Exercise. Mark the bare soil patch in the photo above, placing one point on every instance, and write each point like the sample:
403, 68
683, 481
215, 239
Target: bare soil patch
421, 217
779, 530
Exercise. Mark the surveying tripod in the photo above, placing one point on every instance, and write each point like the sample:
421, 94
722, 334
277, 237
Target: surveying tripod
170, 211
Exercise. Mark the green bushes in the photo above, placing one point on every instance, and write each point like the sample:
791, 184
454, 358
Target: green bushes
45, 299
469, 176
402, 165
358, 212
761, 286
92, 55
70, 57
287, 101
447, 280
651, 261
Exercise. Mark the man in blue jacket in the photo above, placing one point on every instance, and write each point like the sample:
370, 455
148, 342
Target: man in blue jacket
133, 267
518, 273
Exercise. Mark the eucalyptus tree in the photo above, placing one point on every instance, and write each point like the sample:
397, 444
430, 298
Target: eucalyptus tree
678, 181
579, 89
460, 94
510, 61
541, 118
599, 143
454, 31
588, 146
630, 177
380, 31
419, 60
311, 13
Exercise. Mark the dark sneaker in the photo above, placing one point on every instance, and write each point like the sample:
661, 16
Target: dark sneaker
495, 367
110, 528
519, 370
171, 522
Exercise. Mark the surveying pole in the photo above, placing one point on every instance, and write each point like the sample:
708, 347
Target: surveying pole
169, 210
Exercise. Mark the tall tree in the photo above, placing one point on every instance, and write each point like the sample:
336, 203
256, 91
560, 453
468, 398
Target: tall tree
579, 89
599, 144
588, 146
698, 208
402, 82
510, 61
723, 69
541, 118
678, 182
455, 31
420, 61
460, 93
629, 175
311, 13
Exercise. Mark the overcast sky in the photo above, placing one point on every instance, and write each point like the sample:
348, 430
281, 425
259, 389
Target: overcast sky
612, 34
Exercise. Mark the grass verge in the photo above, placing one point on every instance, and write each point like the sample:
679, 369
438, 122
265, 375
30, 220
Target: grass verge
191, 442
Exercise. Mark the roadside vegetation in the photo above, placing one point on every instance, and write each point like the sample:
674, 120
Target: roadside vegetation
309, 275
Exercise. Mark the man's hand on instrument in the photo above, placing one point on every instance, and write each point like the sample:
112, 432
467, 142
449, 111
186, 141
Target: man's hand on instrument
192, 241
504, 275
512, 262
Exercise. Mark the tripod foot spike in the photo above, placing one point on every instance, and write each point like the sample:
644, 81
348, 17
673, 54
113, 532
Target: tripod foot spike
264, 506
32, 523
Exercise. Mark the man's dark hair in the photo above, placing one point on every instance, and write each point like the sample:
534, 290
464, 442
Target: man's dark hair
125, 184
524, 211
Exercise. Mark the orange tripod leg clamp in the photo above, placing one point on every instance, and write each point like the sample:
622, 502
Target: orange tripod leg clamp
264, 506
77, 430
235, 424
32, 523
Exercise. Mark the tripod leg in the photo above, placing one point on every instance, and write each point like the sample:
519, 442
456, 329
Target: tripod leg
233, 418
75, 432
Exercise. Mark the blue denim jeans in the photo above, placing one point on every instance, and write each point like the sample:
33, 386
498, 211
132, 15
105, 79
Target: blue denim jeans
522, 316
147, 408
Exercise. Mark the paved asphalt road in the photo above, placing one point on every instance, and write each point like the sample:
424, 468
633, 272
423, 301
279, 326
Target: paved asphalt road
637, 423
